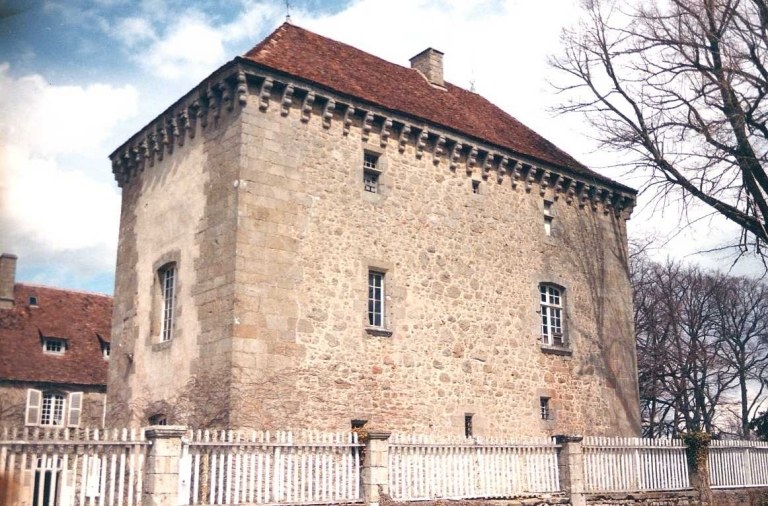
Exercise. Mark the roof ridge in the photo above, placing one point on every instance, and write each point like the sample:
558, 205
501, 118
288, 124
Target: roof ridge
338, 66
69, 290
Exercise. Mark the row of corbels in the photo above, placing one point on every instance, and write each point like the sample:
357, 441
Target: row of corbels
171, 130
523, 174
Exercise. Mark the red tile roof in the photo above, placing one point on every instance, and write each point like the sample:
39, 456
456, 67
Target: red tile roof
345, 69
79, 317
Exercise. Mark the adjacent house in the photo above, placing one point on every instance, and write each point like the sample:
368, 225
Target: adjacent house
315, 237
54, 351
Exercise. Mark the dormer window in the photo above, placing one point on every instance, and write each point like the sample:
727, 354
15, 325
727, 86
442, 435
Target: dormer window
54, 346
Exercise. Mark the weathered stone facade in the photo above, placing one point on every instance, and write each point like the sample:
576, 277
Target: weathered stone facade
252, 186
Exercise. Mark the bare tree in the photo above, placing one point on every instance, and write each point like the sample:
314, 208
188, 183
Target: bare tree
702, 348
680, 86
742, 310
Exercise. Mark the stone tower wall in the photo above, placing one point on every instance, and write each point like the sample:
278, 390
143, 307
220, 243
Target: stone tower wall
179, 209
462, 276
266, 215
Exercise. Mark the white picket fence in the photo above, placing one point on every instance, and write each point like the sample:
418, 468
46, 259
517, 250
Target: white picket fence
71, 467
422, 467
738, 464
634, 464
231, 467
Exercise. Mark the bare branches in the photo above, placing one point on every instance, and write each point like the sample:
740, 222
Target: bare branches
680, 87
702, 343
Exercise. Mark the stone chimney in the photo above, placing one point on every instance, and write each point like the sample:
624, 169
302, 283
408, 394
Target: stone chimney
430, 63
7, 280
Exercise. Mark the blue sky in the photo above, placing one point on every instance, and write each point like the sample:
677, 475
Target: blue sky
78, 78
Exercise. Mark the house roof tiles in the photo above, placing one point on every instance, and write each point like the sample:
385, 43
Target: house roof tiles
78, 317
345, 69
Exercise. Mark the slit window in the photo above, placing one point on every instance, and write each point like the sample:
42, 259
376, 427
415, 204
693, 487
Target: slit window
468, 429
548, 218
544, 409
475, 187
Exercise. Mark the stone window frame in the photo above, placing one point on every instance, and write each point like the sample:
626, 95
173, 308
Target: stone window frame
547, 346
158, 331
551, 406
545, 408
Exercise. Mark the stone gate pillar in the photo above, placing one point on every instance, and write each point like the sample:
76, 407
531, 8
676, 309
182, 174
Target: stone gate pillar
570, 464
376, 467
161, 480
697, 453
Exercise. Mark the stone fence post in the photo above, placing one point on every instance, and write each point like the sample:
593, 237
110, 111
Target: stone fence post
570, 464
376, 467
161, 481
697, 453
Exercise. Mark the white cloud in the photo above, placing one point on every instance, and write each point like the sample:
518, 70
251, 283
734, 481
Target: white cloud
51, 120
251, 22
58, 209
52, 205
134, 31
189, 48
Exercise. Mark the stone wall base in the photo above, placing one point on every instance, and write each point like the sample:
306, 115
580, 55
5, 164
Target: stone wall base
385, 500
677, 498
740, 497
728, 497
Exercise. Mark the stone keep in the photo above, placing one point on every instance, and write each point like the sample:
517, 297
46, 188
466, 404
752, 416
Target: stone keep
250, 191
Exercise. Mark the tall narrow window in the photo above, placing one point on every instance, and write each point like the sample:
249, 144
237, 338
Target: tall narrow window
551, 315
168, 283
468, 432
370, 173
52, 412
376, 299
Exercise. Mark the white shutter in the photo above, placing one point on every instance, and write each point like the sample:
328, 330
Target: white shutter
34, 400
75, 408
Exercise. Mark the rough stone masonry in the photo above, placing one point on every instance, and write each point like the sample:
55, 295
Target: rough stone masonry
252, 188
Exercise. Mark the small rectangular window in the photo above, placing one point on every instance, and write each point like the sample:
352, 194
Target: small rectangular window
54, 346
544, 406
376, 299
168, 280
370, 173
468, 429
